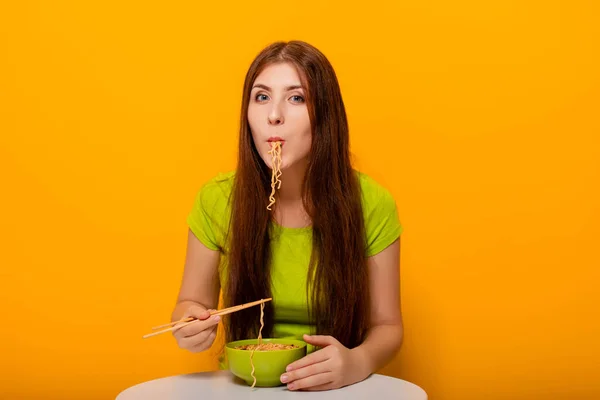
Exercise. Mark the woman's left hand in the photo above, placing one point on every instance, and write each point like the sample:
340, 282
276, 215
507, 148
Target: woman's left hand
331, 367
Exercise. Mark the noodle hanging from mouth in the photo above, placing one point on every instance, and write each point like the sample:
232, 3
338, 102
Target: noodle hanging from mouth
275, 153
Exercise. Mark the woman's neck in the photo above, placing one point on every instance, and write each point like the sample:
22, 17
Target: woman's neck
292, 178
289, 209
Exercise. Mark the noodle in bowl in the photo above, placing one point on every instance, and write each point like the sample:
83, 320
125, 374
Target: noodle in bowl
269, 359
267, 347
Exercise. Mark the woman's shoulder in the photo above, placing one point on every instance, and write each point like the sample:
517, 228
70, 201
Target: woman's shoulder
218, 186
214, 194
374, 194
382, 223
210, 211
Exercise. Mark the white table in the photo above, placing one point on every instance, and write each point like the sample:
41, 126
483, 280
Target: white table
224, 385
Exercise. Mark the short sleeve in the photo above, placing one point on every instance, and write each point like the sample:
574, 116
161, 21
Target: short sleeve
211, 211
382, 223
203, 217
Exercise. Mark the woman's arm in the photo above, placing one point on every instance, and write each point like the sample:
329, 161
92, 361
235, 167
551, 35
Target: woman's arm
200, 281
335, 365
386, 333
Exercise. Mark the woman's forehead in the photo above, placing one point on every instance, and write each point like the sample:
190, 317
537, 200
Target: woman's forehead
280, 76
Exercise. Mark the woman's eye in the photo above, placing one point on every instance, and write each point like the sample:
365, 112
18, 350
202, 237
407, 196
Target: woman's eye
298, 99
261, 97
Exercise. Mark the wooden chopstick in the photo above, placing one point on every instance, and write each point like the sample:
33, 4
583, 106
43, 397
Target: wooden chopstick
168, 329
189, 320
216, 312
186, 319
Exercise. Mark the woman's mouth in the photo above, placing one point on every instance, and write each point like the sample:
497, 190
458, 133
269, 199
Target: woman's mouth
274, 139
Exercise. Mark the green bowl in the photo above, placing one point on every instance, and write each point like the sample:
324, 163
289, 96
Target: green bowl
268, 365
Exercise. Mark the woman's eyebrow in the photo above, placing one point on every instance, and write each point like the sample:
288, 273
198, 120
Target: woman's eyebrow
287, 89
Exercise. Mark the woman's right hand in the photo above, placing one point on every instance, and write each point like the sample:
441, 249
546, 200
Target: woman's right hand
199, 335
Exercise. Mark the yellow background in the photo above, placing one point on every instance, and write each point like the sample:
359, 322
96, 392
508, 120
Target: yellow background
482, 118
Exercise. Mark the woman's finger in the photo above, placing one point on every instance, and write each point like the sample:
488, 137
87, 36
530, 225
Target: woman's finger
313, 358
205, 345
195, 340
321, 340
326, 386
197, 311
196, 327
304, 372
312, 381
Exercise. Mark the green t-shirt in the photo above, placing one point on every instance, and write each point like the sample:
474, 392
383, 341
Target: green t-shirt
291, 247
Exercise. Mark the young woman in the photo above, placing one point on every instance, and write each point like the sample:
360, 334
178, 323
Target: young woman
320, 238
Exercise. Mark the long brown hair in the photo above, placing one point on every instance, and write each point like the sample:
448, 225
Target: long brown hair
337, 281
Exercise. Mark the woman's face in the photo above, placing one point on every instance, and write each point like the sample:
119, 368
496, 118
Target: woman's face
277, 112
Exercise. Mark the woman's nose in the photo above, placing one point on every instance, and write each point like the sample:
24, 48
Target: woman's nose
275, 117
